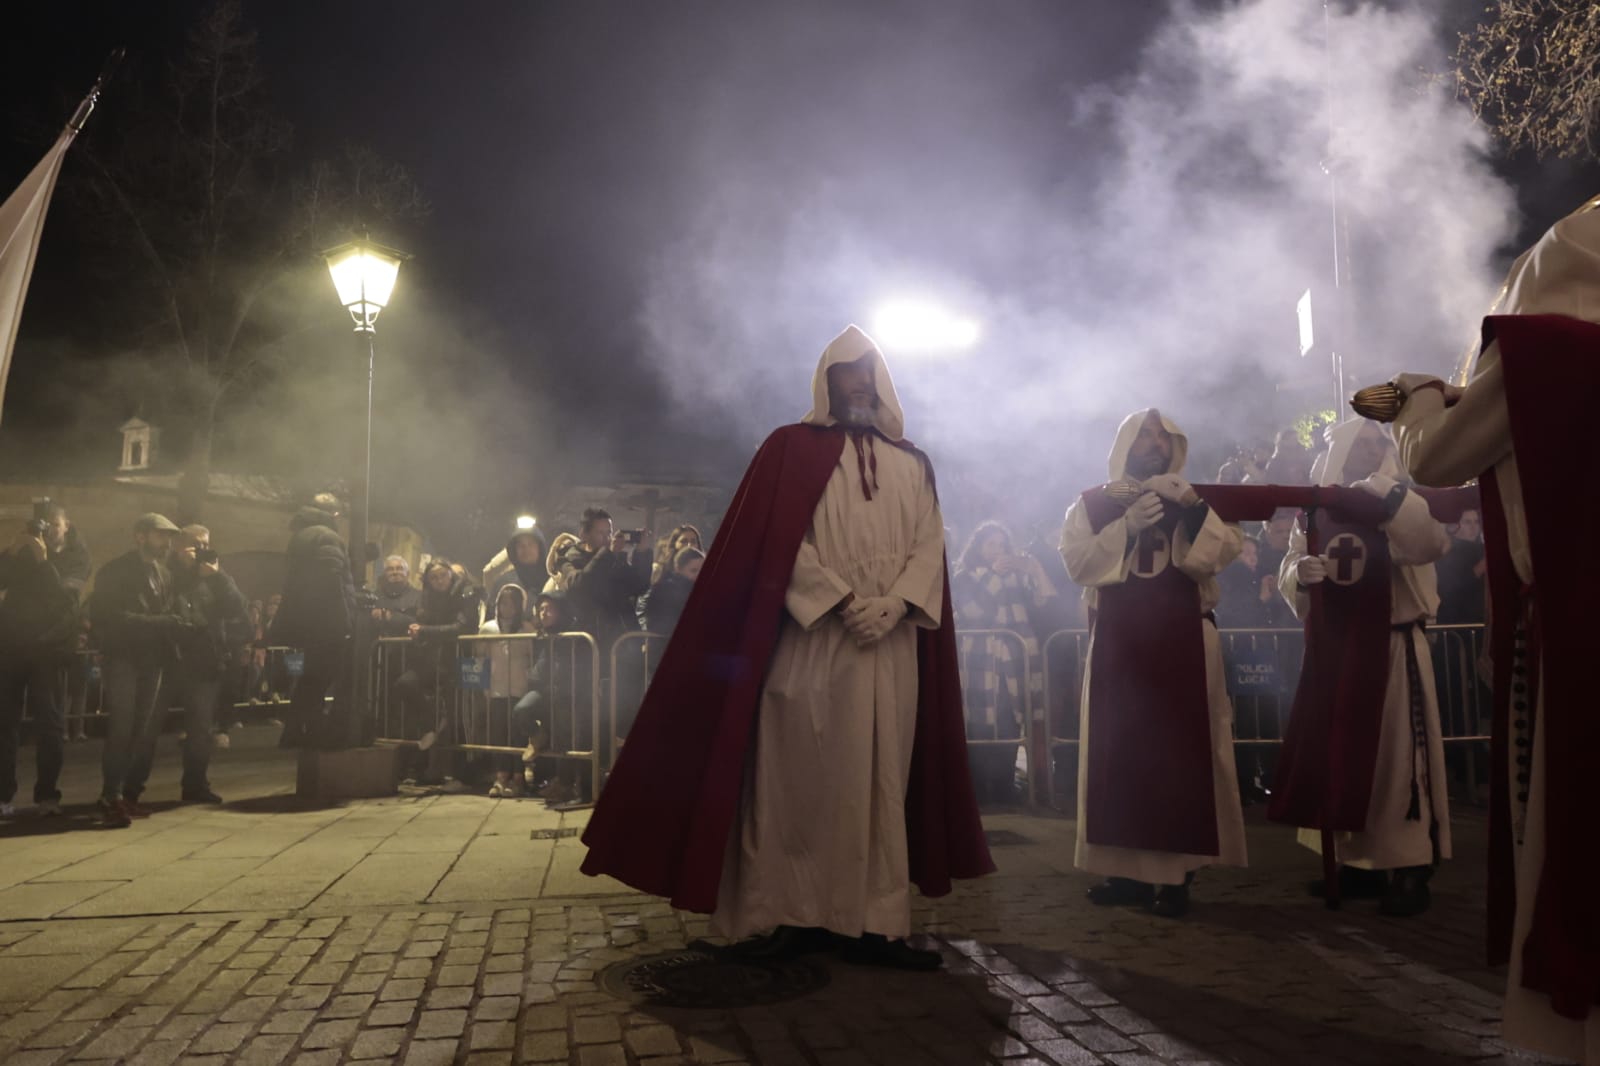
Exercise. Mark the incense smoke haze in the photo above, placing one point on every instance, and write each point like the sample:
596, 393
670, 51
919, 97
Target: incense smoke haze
1136, 241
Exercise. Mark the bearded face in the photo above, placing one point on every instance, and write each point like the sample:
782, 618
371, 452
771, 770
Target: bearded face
1151, 453
852, 394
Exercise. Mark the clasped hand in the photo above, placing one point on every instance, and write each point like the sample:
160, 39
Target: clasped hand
869, 619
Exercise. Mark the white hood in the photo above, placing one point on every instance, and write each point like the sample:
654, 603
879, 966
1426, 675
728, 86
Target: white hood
847, 347
1559, 275
1341, 438
1128, 432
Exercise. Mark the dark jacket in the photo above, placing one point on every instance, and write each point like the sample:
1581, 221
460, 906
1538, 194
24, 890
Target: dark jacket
216, 622
71, 561
442, 617
40, 610
402, 605
602, 592
131, 610
661, 606
319, 596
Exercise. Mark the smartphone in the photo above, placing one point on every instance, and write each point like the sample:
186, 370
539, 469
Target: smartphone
205, 555
631, 536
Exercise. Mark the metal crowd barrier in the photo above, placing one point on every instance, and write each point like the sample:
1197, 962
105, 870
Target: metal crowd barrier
1262, 671
631, 673
466, 694
253, 685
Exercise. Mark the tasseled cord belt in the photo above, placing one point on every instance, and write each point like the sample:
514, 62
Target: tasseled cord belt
866, 461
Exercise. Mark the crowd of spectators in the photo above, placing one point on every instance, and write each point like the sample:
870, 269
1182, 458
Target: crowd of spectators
170, 629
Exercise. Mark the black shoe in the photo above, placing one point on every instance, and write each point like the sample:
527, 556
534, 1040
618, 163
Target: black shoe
201, 795
1121, 891
1354, 883
1172, 901
782, 944
873, 949
1408, 894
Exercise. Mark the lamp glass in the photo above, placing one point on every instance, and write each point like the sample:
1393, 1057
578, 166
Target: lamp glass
526, 521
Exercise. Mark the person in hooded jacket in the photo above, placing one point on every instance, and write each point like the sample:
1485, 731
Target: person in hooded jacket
316, 615
448, 609
525, 552
510, 670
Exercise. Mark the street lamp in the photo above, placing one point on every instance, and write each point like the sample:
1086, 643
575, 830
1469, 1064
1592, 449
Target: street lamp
526, 522
920, 327
364, 274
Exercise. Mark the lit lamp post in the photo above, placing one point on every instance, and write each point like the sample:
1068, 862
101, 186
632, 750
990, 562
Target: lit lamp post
526, 522
364, 273
924, 329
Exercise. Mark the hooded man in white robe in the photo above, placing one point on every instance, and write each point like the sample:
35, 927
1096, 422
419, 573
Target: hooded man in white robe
820, 839
1408, 815
1540, 895
1111, 552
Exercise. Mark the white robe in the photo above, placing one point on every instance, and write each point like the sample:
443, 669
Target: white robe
1391, 840
1447, 446
820, 838
1096, 560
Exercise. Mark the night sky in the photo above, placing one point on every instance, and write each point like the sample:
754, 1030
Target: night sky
578, 156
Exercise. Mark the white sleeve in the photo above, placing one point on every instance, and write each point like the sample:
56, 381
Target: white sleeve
1289, 574
814, 590
1415, 537
1094, 560
1445, 446
921, 582
1215, 545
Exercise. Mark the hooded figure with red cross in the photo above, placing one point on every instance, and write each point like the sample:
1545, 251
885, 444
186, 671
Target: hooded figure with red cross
1158, 794
1378, 590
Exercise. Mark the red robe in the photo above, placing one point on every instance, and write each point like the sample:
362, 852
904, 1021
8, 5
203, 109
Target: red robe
662, 822
1546, 361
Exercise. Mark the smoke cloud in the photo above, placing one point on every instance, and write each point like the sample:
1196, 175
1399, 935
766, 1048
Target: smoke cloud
1127, 241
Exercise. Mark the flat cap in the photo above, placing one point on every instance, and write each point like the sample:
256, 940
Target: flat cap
155, 523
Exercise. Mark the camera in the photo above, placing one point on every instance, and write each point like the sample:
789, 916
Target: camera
205, 555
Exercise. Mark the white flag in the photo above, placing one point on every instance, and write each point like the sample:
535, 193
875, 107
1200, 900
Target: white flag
21, 222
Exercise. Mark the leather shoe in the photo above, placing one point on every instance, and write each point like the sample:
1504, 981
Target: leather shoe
1354, 883
782, 944
1408, 894
873, 949
1172, 901
1121, 891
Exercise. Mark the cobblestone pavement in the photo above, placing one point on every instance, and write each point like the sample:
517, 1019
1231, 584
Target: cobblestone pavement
506, 968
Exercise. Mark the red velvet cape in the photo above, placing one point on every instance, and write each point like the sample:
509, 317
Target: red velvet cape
662, 822
1547, 361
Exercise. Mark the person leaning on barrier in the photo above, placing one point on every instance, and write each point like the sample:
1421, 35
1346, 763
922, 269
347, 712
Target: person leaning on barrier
397, 599
218, 625
555, 715
993, 587
448, 609
317, 616
662, 606
133, 621
510, 671
38, 630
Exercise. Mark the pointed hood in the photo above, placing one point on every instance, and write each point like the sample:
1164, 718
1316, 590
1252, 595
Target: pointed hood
847, 347
1557, 276
1330, 467
1128, 432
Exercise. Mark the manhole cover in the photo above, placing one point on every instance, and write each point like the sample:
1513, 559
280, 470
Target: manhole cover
553, 834
700, 980
999, 838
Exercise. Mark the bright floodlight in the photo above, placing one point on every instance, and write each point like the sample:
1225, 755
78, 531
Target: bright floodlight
526, 521
364, 273
911, 326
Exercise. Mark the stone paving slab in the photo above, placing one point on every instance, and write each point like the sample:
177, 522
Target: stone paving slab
437, 929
